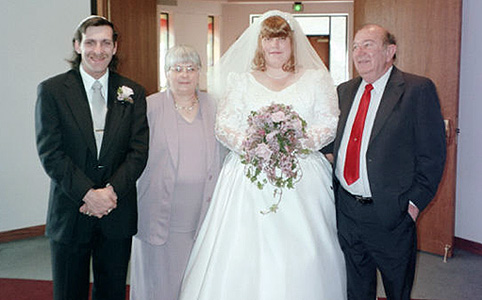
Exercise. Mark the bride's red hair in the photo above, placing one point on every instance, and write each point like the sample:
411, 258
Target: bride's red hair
274, 27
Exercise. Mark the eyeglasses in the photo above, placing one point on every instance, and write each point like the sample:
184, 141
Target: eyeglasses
179, 69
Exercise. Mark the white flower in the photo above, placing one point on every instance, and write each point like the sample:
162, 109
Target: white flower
124, 94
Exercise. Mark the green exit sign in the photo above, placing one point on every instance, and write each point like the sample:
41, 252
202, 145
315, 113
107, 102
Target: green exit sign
298, 6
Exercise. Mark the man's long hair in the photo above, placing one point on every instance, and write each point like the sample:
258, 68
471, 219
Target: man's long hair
88, 22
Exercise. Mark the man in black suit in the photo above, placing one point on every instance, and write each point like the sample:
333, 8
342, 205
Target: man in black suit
389, 159
92, 139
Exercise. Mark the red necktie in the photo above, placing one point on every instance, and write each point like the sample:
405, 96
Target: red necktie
352, 160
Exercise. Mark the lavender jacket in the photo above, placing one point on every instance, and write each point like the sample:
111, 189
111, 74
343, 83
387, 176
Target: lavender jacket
156, 184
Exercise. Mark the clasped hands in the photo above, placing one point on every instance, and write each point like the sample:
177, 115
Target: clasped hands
99, 202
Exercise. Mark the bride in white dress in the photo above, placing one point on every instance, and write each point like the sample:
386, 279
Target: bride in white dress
293, 254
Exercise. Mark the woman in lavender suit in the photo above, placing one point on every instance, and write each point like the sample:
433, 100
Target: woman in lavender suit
176, 187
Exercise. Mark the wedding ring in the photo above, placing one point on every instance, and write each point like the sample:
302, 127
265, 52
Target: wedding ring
88, 213
109, 210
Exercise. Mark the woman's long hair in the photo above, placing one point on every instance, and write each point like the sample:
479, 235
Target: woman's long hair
274, 27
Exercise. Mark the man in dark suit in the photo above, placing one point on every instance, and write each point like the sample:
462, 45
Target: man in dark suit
389, 159
92, 139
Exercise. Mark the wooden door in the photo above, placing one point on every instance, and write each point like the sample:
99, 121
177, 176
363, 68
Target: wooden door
136, 22
428, 37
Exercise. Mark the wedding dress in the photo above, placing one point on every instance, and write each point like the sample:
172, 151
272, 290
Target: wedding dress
293, 254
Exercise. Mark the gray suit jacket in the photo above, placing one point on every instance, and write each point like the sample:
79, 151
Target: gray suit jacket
406, 151
156, 185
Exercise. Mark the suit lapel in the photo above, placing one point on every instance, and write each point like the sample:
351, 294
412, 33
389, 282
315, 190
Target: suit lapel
114, 115
392, 94
208, 119
76, 99
345, 107
170, 121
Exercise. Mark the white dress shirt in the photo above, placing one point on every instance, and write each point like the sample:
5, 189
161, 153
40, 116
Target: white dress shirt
361, 187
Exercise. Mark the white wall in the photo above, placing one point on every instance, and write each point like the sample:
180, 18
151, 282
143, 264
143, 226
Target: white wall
36, 38
468, 221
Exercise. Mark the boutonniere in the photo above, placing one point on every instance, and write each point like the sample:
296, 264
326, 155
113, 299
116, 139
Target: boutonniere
124, 94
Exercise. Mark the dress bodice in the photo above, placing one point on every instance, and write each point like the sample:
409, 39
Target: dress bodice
312, 96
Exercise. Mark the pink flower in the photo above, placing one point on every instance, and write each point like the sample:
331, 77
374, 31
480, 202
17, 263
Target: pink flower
272, 136
263, 151
297, 125
278, 116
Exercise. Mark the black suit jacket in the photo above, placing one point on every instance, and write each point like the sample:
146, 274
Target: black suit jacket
406, 151
67, 150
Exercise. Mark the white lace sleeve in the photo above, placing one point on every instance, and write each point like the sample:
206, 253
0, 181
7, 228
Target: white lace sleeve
231, 119
322, 128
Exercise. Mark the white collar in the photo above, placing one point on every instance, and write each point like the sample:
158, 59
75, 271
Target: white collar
89, 80
380, 83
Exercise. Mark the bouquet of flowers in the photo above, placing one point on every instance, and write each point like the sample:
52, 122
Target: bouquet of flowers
273, 142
